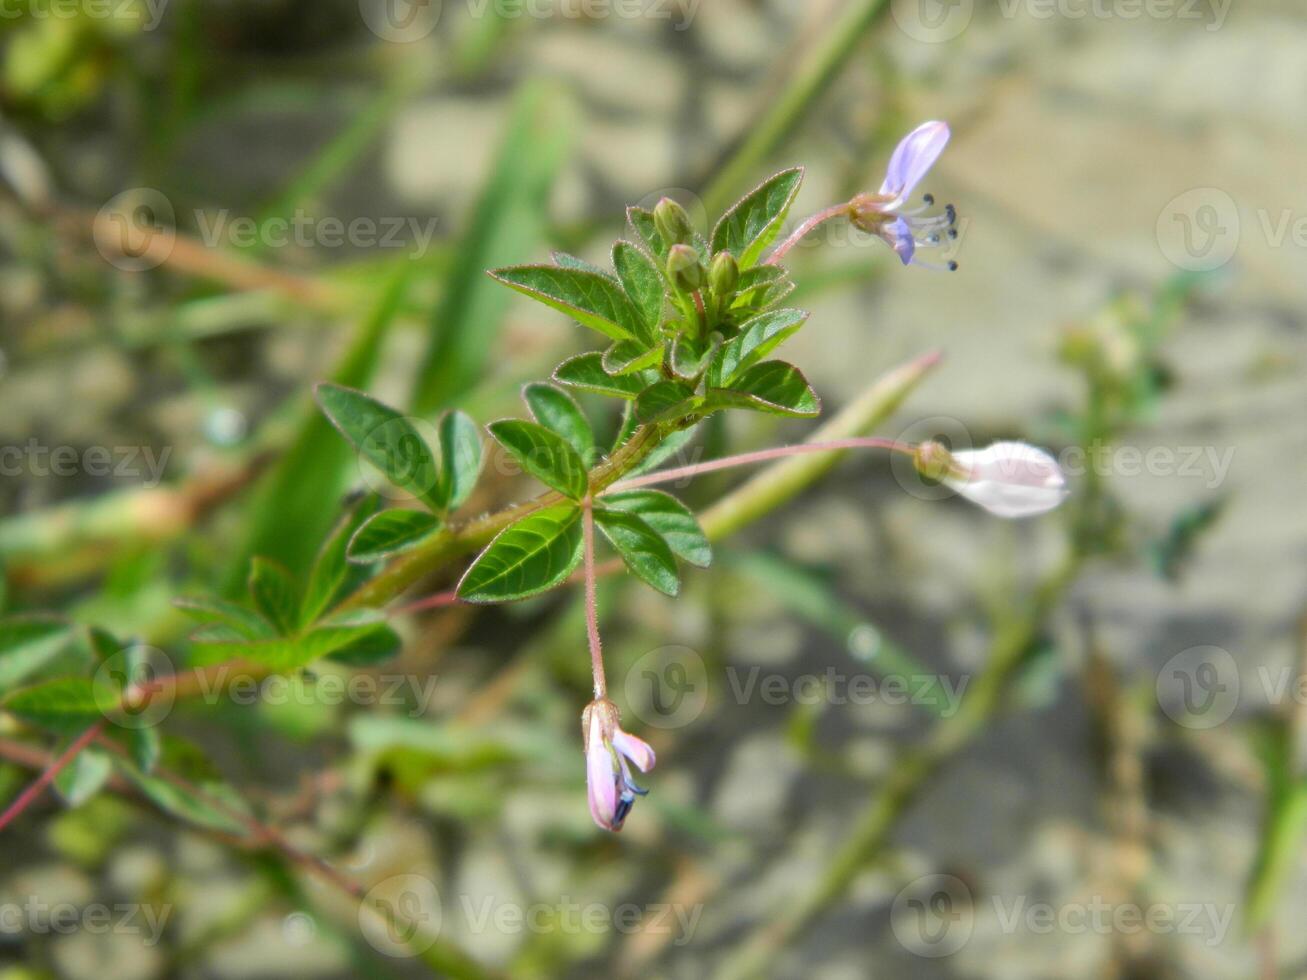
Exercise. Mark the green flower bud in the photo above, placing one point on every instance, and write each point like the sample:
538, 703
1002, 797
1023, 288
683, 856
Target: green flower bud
724, 274
684, 268
672, 222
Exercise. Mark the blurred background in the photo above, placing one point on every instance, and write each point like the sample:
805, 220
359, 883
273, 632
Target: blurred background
896, 737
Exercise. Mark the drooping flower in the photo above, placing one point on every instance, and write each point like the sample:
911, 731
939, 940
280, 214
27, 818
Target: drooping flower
1008, 479
608, 750
883, 213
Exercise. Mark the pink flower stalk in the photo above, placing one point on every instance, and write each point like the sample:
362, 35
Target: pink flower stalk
1008, 479
883, 214
608, 749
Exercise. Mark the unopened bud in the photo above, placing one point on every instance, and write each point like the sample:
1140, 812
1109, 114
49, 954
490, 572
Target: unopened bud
672, 222
684, 269
1008, 479
723, 274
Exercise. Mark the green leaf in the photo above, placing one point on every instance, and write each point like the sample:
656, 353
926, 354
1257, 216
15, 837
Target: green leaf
586, 372
384, 438
761, 288
28, 643
565, 261
665, 400
332, 575
544, 454
594, 300
642, 548
370, 647
66, 705
629, 356
389, 533
145, 746
283, 653
642, 281
752, 222
773, 387
557, 411
274, 594
690, 358
537, 553
206, 610
757, 338
85, 776
215, 809
460, 458
670, 518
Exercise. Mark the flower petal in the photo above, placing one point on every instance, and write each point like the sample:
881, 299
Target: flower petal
912, 159
601, 783
635, 749
898, 235
1009, 479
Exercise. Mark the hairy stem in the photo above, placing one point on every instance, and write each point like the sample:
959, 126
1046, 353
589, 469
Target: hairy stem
761, 456
591, 603
28, 796
460, 539
801, 232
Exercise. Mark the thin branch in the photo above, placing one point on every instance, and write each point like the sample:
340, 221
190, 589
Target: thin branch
28, 796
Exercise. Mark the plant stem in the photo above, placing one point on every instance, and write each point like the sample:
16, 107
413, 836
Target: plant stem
760, 456
801, 232
783, 481
591, 603
28, 796
753, 499
459, 539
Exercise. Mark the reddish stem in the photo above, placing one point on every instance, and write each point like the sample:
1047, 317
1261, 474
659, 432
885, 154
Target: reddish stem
818, 219
29, 795
591, 603
761, 456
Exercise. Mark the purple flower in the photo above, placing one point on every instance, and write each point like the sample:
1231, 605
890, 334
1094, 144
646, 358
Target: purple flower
608, 749
883, 214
